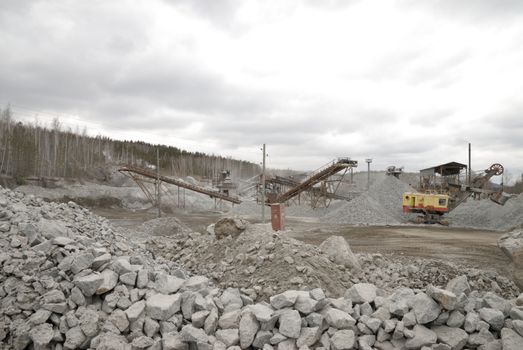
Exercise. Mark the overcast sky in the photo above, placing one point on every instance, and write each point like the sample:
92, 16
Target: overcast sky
404, 82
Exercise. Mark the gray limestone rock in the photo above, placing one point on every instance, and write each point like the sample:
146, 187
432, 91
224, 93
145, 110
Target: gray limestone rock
471, 322
480, 338
196, 283
110, 280
304, 303
456, 319
81, 262
128, 278
361, 293
230, 320
119, 319
425, 308
41, 335
456, 338
249, 326
290, 324
229, 337
459, 285
193, 335
308, 336
511, 340
262, 312
142, 279
493, 317
288, 344
339, 319
401, 301
198, 318
343, 340
89, 284
517, 325
142, 342
167, 284
54, 296
135, 311
150, 327
173, 341
101, 260
262, 338
211, 322
74, 337
338, 249
88, 322
121, 266
285, 299
162, 307
445, 298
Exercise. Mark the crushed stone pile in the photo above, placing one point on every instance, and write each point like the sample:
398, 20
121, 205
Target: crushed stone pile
90, 193
158, 227
512, 245
261, 262
380, 205
485, 214
129, 196
68, 280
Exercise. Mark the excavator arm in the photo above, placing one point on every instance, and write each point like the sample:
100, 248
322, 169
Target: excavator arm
460, 193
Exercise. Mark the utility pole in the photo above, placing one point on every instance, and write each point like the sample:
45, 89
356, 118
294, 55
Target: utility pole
158, 193
263, 185
470, 169
368, 160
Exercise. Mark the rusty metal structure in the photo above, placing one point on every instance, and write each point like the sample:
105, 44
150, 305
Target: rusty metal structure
437, 178
142, 176
446, 194
394, 171
318, 185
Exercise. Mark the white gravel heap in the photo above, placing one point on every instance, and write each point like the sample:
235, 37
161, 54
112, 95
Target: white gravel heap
380, 205
70, 281
485, 214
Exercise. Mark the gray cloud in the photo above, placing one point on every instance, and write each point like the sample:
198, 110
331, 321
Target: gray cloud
96, 60
472, 10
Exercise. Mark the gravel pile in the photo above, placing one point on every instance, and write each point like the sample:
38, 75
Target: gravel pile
129, 197
380, 205
69, 280
159, 226
262, 262
485, 214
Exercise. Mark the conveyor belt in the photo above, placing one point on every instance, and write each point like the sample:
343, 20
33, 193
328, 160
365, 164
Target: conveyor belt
152, 175
316, 177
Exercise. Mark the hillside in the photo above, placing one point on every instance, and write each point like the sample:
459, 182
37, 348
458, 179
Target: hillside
29, 150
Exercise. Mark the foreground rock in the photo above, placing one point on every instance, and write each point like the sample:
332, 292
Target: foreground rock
96, 289
338, 249
512, 245
229, 227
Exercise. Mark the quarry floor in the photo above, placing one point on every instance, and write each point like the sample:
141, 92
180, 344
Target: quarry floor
476, 248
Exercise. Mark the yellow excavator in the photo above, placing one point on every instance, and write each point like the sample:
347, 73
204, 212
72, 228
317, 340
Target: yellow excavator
432, 206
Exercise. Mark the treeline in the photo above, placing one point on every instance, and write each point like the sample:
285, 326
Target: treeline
516, 188
33, 150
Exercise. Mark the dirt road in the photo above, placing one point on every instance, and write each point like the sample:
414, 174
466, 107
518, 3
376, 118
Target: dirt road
475, 248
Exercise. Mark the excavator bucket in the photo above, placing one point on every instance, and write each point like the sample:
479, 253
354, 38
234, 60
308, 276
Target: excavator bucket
500, 197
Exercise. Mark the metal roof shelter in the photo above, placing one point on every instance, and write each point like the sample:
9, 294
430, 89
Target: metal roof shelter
447, 169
